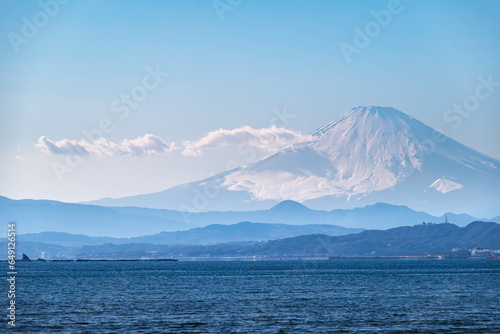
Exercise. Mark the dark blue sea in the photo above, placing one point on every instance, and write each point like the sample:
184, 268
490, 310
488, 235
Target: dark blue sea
328, 296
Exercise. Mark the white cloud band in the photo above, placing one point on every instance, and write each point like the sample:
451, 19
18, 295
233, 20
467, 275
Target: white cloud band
145, 145
268, 139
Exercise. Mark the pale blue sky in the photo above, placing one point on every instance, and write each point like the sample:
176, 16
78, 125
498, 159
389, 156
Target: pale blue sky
264, 55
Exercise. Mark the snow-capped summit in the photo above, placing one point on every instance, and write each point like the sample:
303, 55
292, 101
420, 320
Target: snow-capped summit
365, 150
368, 155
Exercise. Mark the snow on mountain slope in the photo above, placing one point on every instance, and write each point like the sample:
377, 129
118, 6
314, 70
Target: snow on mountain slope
366, 150
444, 185
368, 155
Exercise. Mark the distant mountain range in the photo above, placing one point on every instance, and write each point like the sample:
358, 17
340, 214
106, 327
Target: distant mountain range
35, 216
208, 235
366, 156
429, 238
419, 239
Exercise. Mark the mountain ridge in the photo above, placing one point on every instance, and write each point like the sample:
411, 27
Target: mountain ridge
42, 215
407, 240
207, 235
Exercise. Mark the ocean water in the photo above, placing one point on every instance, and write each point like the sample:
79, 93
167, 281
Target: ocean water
337, 296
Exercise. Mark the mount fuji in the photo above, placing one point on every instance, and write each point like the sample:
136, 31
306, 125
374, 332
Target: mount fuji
368, 155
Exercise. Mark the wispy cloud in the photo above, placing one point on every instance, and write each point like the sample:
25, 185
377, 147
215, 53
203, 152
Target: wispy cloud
267, 139
146, 145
